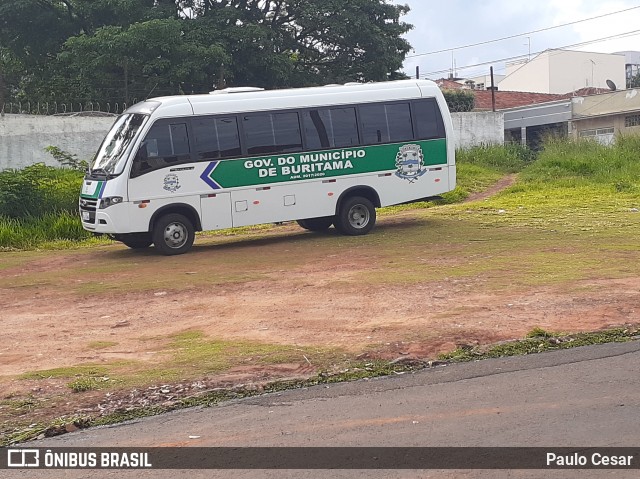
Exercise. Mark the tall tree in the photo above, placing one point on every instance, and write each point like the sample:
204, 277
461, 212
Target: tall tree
154, 57
123, 49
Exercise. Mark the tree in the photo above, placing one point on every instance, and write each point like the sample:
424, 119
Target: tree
122, 64
295, 43
118, 50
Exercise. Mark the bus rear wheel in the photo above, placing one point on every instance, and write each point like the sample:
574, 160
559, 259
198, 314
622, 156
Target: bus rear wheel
356, 216
135, 240
173, 234
317, 224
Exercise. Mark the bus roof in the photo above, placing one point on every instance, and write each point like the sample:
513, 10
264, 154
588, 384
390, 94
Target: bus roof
264, 100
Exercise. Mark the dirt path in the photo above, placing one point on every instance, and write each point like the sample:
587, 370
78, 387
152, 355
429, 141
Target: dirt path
499, 186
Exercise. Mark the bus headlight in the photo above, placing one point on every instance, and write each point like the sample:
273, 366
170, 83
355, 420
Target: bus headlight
110, 201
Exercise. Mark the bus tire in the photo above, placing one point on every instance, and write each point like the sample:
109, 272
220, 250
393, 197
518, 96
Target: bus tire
356, 216
135, 240
173, 234
317, 224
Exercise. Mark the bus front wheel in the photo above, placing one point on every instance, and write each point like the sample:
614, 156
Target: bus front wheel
173, 234
356, 216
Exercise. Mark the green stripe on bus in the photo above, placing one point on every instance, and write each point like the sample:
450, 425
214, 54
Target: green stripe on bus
325, 164
96, 193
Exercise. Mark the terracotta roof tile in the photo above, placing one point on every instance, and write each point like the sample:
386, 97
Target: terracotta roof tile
512, 99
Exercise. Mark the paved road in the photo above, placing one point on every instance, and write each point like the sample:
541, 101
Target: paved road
581, 397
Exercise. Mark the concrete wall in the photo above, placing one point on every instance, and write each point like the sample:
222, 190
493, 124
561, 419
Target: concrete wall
575, 70
478, 128
530, 76
564, 71
24, 137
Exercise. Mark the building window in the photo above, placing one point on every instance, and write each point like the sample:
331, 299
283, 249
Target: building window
632, 120
604, 136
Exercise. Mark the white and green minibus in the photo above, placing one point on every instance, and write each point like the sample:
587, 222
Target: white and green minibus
321, 156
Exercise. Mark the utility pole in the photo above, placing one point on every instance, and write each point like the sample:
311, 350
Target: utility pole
493, 92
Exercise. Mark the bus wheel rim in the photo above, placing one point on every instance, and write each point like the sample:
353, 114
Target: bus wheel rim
359, 216
175, 235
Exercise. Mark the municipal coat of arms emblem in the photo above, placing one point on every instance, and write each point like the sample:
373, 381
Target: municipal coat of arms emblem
410, 163
171, 183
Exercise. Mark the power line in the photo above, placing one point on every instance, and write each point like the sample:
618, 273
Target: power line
521, 34
518, 57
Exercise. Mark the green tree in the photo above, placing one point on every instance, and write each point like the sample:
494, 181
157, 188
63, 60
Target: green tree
156, 56
118, 50
295, 43
459, 100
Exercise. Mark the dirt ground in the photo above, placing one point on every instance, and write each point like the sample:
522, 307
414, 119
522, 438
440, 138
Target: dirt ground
48, 329
317, 302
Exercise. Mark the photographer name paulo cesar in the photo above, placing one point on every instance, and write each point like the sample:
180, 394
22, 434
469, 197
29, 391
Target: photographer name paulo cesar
595, 459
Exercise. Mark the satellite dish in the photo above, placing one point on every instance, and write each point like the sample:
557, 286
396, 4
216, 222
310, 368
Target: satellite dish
611, 85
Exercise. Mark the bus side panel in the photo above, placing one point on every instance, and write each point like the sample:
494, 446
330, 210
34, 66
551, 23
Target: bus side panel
289, 201
216, 211
394, 190
167, 186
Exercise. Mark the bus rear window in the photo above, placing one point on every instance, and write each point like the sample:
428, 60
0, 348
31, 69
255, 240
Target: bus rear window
429, 124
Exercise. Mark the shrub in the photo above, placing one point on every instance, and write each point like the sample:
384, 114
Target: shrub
37, 190
509, 158
459, 100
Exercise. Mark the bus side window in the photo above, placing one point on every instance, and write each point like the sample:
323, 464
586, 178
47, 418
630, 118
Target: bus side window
429, 124
268, 133
385, 123
330, 128
216, 138
166, 144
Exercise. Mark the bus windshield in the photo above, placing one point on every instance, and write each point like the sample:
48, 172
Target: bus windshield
112, 153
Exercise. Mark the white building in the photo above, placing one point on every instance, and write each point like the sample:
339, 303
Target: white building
564, 71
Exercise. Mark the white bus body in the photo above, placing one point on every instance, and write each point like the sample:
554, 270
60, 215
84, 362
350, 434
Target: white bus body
326, 155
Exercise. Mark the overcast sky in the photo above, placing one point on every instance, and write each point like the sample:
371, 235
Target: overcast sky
453, 23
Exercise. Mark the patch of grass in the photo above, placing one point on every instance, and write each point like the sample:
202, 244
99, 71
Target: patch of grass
510, 158
91, 383
20, 405
538, 341
50, 231
194, 352
67, 372
477, 169
186, 356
